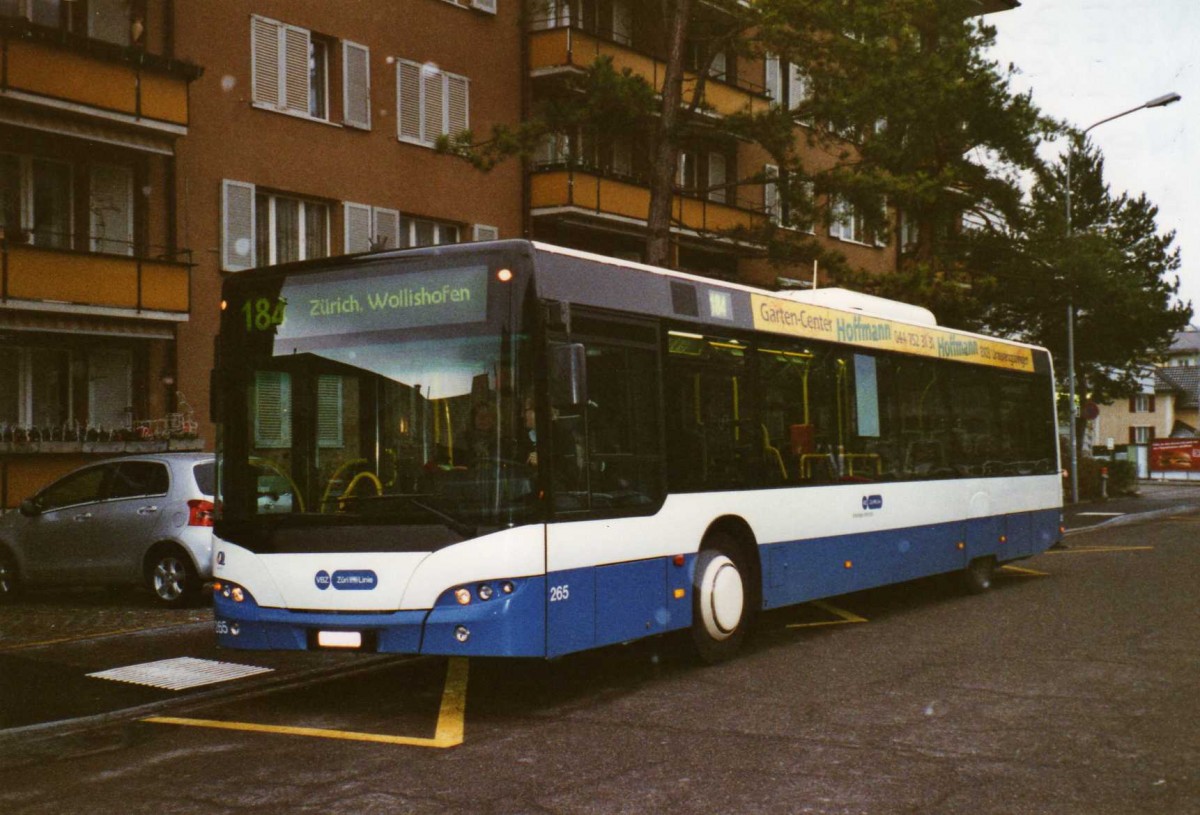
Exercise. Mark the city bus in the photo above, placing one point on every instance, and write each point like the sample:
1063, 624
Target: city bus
515, 449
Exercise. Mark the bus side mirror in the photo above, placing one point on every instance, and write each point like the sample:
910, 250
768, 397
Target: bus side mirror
568, 375
29, 509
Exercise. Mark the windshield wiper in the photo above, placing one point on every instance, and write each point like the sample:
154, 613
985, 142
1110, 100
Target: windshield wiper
452, 523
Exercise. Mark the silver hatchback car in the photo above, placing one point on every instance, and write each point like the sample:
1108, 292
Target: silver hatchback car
133, 520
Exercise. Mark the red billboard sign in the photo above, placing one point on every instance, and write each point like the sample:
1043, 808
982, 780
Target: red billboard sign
1175, 455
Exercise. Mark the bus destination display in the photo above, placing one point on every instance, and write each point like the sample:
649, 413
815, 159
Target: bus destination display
309, 308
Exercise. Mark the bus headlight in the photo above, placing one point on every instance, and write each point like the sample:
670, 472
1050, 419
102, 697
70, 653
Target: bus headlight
463, 596
484, 591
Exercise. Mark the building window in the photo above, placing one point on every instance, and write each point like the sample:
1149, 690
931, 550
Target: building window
39, 12
113, 21
35, 388
848, 223
1142, 403
431, 102
546, 14
37, 200
420, 232
111, 209
291, 68
273, 410
1141, 435
288, 229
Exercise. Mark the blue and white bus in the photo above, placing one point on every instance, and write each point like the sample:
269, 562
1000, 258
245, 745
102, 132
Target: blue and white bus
514, 449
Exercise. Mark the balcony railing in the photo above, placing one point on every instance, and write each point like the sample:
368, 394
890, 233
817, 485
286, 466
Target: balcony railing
53, 67
568, 47
68, 278
590, 192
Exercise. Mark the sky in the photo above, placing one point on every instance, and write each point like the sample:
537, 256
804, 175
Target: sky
1086, 60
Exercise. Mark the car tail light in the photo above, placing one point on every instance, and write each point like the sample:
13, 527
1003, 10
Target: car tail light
200, 512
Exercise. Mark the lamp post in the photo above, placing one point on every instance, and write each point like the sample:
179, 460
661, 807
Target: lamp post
1157, 102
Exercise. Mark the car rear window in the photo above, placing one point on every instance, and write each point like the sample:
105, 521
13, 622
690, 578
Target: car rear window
206, 477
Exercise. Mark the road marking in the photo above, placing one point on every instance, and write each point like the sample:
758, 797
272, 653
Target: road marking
1101, 514
180, 673
1088, 550
1018, 571
846, 616
448, 733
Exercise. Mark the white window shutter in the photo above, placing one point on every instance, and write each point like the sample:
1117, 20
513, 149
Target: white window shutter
774, 78
329, 411
483, 232
716, 177
272, 409
797, 87
433, 104
356, 85
386, 232
458, 90
408, 99
264, 56
295, 66
487, 6
771, 203
356, 219
237, 225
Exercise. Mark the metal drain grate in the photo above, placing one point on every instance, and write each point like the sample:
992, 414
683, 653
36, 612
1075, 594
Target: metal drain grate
180, 673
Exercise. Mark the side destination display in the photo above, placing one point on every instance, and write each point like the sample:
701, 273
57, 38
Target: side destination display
821, 323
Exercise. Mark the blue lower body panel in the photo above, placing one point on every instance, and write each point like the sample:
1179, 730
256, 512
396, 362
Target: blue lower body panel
799, 571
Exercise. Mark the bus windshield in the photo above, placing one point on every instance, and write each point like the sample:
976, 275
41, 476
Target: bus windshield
375, 399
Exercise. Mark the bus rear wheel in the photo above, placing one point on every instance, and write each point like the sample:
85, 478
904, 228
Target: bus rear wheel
721, 607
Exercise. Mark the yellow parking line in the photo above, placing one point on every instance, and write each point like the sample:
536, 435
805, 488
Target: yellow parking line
449, 731
846, 616
1087, 550
1021, 572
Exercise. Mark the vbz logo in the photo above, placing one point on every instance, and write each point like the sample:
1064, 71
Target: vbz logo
322, 580
872, 502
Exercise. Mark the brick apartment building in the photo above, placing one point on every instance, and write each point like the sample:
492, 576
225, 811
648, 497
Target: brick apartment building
149, 147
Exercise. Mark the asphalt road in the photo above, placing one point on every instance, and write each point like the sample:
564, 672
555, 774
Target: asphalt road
1070, 688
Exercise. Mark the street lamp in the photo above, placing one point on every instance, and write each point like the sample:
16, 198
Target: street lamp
1157, 102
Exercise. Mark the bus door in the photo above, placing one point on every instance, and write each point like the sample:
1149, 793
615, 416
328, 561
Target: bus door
605, 460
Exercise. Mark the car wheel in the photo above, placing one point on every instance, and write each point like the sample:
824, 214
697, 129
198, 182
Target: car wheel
722, 600
9, 584
171, 576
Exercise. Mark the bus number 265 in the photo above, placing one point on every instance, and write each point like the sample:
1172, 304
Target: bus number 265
560, 593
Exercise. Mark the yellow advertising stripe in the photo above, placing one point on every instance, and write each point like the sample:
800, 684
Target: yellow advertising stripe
449, 732
846, 616
811, 321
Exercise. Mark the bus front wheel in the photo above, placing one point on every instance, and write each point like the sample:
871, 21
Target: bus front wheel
977, 577
721, 609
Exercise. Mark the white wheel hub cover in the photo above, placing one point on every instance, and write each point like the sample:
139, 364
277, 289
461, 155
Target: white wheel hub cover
722, 597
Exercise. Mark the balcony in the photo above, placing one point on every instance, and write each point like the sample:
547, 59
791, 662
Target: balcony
64, 280
51, 68
589, 194
565, 49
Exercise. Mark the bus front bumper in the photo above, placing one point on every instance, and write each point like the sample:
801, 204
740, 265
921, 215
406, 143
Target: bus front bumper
506, 624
